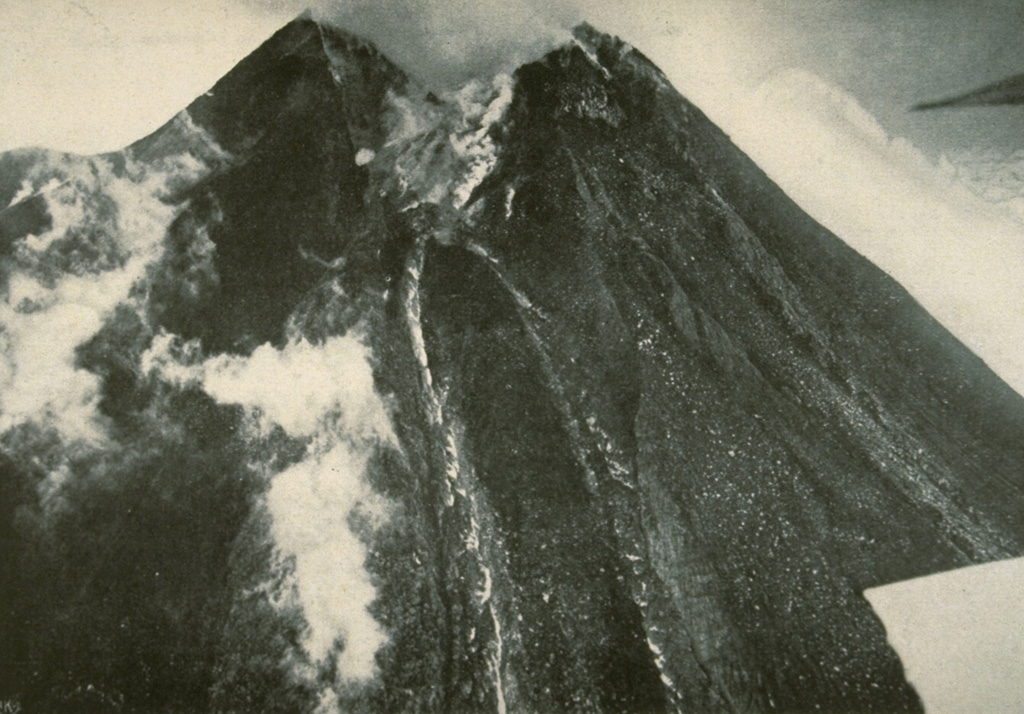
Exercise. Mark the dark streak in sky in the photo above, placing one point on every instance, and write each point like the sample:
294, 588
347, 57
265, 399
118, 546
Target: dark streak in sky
1006, 91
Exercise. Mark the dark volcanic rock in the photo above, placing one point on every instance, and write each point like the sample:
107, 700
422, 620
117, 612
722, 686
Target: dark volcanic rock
290, 199
656, 430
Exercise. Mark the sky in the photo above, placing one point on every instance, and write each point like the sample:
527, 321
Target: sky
93, 75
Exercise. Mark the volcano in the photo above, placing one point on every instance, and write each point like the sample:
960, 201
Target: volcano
336, 394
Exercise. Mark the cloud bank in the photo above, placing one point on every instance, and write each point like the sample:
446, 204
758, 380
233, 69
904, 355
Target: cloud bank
322, 506
938, 233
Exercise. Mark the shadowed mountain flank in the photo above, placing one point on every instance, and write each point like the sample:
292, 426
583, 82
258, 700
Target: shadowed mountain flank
537, 395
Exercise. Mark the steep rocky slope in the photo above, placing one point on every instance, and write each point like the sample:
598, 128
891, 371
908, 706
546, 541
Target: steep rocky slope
535, 396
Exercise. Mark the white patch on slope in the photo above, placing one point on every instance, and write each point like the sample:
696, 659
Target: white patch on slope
592, 56
324, 393
24, 192
967, 622
44, 321
181, 141
510, 195
28, 189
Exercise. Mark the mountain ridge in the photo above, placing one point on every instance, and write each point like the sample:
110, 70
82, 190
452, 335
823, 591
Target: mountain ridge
654, 429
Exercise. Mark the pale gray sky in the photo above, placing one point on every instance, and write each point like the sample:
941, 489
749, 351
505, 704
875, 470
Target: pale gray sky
92, 75
960, 636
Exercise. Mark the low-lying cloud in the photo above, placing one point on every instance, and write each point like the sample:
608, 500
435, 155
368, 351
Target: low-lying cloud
323, 393
64, 283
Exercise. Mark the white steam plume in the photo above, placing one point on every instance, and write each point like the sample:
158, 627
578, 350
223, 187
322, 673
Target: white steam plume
324, 393
445, 43
299, 386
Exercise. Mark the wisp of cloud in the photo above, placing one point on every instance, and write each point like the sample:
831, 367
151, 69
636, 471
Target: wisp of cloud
445, 43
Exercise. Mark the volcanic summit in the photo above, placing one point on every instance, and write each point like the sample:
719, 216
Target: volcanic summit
532, 396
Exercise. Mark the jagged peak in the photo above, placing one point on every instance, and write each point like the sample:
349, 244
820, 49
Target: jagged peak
588, 34
611, 55
235, 112
310, 31
338, 43
610, 51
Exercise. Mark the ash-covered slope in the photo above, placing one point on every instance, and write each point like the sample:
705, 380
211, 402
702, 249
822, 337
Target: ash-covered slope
536, 396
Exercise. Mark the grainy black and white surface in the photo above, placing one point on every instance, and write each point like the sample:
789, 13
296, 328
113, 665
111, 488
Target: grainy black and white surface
534, 396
